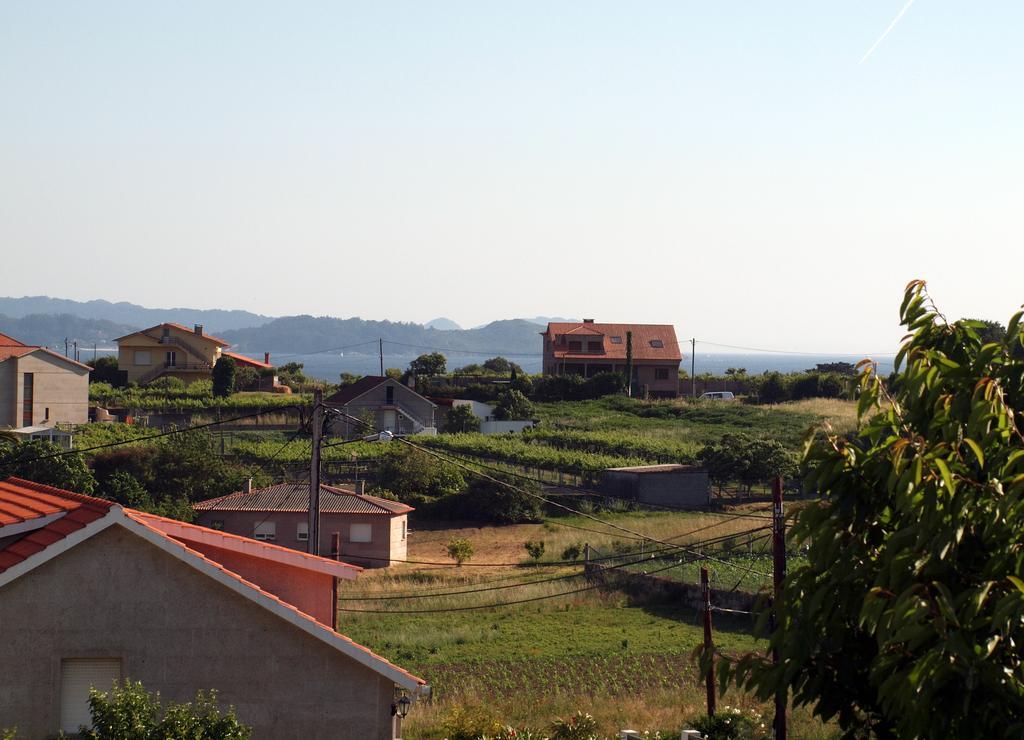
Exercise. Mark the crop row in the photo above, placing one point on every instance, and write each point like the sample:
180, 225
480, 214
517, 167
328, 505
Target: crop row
617, 444
519, 451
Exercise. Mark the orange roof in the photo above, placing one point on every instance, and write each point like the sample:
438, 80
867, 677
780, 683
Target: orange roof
645, 337
11, 347
247, 360
185, 329
22, 501
6, 341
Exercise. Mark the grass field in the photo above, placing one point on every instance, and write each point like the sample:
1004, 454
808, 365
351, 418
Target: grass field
628, 664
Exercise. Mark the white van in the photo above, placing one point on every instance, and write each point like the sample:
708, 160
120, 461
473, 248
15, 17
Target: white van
717, 396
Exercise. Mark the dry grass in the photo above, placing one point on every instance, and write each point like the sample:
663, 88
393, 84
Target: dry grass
841, 415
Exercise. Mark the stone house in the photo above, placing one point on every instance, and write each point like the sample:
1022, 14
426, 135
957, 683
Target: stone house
92, 593
386, 403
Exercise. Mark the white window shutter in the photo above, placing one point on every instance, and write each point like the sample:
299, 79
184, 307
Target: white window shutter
77, 676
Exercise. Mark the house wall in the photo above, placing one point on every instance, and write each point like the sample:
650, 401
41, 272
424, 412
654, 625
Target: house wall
203, 350
385, 416
686, 488
57, 386
644, 372
177, 631
504, 427
374, 554
311, 592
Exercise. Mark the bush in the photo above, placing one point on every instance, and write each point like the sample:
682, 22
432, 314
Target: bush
129, 712
728, 724
46, 463
460, 550
572, 552
580, 726
535, 549
461, 419
408, 471
513, 405
470, 723
497, 503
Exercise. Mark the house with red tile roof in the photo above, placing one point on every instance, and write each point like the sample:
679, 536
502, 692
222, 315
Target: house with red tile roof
39, 387
175, 351
587, 348
367, 530
92, 593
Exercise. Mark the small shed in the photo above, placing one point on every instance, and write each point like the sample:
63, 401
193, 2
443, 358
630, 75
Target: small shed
660, 485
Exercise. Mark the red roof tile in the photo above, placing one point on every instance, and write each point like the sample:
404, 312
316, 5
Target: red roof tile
247, 361
645, 336
295, 497
7, 341
20, 497
185, 329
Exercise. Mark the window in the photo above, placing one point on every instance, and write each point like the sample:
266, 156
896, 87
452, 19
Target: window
77, 676
595, 346
616, 340
142, 357
403, 528
28, 392
170, 359
302, 532
575, 346
661, 373
657, 343
46, 414
389, 395
265, 531
360, 533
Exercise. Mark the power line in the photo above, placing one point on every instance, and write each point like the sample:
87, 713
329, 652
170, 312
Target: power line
793, 352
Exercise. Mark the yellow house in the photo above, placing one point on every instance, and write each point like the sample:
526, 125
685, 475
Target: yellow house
168, 350
39, 387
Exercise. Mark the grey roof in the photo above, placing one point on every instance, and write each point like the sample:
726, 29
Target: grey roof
295, 497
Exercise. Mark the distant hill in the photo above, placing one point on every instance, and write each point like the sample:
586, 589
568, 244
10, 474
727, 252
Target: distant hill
130, 314
308, 334
443, 324
50, 330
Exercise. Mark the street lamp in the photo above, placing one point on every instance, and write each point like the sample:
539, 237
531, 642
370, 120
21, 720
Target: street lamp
400, 708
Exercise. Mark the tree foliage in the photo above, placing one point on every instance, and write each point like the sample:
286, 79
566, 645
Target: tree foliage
46, 463
129, 712
461, 419
429, 364
460, 550
410, 472
104, 370
907, 619
746, 460
513, 405
224, 371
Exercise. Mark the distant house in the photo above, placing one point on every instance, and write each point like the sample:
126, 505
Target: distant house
386, 403
174, 351
372, 530
92, 593
483, 411
39, 387
673, 486
587, 348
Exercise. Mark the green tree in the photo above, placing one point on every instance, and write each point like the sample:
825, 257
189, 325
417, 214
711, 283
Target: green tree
129, 712
104, 370
408, 471
503, 500
772, 388
987, 330
246, 379
430, 364
348, 379
535, 549
498, 365
44, 462
461, 419
513, 405
460, 550
224, 377
907, 616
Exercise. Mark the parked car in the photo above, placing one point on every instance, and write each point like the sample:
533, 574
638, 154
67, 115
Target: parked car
717, 396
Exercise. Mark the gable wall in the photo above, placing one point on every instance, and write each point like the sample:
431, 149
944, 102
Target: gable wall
176, 630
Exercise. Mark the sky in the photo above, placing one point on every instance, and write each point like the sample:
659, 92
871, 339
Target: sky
731, 168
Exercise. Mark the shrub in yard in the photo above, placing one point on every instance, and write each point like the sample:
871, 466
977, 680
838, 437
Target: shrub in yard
461, 419
728, 724
470, 723
535, 548
460, 550
129, 712
581, 726
494, 502
572, 552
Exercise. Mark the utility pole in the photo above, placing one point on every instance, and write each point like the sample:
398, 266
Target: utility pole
709, 645
779, 574
693, 368
317, 429
65, 346
94, 353
76, 350
381, 346
629, 363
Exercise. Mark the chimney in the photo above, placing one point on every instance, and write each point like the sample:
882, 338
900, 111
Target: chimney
248, 485
588, 321
198, 329
266, 358
360, 486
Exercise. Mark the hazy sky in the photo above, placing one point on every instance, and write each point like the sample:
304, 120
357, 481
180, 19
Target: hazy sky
728, 167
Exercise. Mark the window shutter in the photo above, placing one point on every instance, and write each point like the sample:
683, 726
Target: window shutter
77, 676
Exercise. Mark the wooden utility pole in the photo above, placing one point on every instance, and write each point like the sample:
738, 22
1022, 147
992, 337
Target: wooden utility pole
629, 363
317, 429
709, 645
779, 575
693, 368
380, 344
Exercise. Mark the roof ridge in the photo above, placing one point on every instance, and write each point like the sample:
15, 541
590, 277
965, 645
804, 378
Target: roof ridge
60, 492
